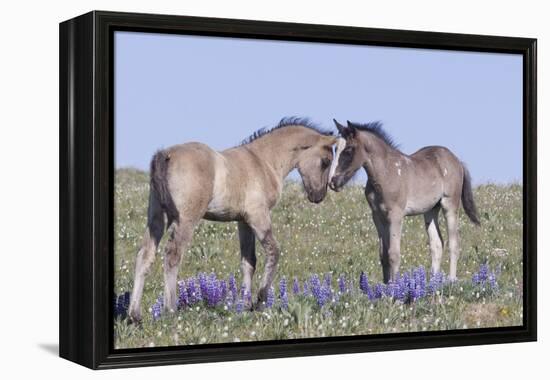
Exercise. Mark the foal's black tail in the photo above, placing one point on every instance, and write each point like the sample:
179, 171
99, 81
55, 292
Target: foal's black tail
468, 197
159, 184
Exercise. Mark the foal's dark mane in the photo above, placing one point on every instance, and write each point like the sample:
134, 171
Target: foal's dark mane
375, 127
287, 122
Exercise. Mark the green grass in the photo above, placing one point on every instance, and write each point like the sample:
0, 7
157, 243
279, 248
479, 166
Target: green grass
336, 236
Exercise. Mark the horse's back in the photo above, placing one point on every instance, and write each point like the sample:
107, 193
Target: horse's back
439, 157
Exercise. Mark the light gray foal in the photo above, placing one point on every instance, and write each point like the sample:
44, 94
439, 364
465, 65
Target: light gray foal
400, 185
191, 182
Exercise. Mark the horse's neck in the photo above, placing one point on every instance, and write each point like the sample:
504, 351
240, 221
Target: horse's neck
278, 152
380, 156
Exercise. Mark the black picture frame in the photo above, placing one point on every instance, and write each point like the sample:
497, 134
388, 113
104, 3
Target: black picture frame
86, 188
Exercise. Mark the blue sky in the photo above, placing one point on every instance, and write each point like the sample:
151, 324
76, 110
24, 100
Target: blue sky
171, 89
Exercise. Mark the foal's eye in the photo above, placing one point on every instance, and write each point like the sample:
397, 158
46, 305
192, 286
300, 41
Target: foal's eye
325, 162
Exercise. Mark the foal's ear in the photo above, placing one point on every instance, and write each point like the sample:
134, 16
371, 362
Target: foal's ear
345, 132
351, 130
340, 127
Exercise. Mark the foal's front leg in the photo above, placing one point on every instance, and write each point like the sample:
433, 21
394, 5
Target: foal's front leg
382, 229
394, 249
261, 225
248, 258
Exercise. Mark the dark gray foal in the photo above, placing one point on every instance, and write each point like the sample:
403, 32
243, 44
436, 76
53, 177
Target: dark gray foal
400, 185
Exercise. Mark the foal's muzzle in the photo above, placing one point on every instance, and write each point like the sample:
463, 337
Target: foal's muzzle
336, 184
316, 197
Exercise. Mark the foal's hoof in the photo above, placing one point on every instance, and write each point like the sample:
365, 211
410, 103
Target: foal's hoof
259, 306
134, 319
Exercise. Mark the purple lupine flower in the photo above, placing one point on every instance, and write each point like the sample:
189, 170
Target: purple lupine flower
406, 286
270, 297
436, 282
389, 289
157, 308
483, 272
378, 291
342, 284
283, 295
193, 291
400, 290
364, 283
126, 299
315, 284
328, 280
183, 299
326, 293
121, 305
115, 305
306, 289
239, 305
203, 285
222, 289
482, 276
296, 286
211, 290
485, 276
321, 292
364, 286
232, 287
419, 275
118, 311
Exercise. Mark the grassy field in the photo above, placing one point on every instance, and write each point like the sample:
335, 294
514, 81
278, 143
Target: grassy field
336, 237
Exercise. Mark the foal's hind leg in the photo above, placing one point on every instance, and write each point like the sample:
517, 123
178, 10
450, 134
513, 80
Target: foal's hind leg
248, 257
450, 210
434, 236
181, 233
146, 255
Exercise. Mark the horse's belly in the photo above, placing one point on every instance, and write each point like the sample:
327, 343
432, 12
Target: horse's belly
219, 211
222, 216
420, 206
224, 202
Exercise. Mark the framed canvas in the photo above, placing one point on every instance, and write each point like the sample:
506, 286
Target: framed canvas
235, 189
